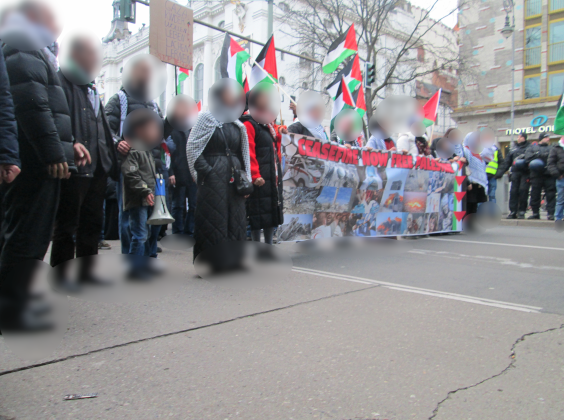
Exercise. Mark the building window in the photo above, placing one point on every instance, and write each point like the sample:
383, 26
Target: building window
533, 7
556, 5
532, 46
282, 80
556, 41
420, 54
217, 70
555, 84
199, 83
532, 87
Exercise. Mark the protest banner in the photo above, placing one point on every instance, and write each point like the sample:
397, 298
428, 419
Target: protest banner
333, 191
171, 35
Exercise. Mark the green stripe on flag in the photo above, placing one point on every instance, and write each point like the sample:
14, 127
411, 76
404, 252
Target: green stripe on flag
332, 66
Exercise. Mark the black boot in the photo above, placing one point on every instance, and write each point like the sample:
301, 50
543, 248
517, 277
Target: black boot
550, 217
521, 215
534, 216
512, 215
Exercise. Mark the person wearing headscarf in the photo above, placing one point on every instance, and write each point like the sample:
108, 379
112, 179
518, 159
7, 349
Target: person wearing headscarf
477, 178
310, 126
264, 206
220, 212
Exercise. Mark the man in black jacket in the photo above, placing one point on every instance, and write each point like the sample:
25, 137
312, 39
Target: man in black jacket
46, 153
9, 150
81, 214
541, 178
556, 169
116, 114
519, 193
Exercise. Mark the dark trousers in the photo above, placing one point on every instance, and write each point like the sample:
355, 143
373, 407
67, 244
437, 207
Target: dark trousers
30, 206
519, 193
123, 219
184, 224
80, 216
549, 185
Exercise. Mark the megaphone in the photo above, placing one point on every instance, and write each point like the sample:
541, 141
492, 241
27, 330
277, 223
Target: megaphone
160, 215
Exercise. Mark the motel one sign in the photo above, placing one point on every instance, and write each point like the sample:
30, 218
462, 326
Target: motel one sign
536, 126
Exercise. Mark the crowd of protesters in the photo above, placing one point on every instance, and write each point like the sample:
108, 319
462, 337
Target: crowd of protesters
69, 168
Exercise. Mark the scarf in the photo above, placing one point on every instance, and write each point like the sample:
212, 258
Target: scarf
422, 146
376, 143
200, 136
476, 164
51, 52
318, 132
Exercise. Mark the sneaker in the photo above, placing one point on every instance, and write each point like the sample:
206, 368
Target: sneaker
104, 245
159, 250
512, 216
534, 216
549, 217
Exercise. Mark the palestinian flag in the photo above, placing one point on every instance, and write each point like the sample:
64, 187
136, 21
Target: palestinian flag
559, 120
352, 74
231, 60
343, 100
430, 109
358, 98
343, 47
266, 67
181, 77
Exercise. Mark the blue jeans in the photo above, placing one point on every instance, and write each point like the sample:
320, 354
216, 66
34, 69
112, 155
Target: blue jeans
560, 199
143, 236
123, 220
492, 187
183, 224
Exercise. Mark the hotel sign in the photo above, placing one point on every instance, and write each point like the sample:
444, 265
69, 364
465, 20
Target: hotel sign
536, 126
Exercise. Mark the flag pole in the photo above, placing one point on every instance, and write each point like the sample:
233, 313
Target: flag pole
272, 79
175, 80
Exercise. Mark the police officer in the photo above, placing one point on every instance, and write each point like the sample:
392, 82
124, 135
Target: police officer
537, 159
519, 193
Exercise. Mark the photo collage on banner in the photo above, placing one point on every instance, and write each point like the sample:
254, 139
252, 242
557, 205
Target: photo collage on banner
334, 191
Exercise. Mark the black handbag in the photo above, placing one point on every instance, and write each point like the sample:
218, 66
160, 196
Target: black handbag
238, 177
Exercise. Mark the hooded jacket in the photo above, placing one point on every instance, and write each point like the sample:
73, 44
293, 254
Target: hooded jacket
9, 150
556, 161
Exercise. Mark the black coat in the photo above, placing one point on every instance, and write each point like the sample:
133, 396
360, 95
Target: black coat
9, 150
299, 128
220, 211
264, 206
517, 150
178, 161
41, 110
556, 161
86, 127
538, 151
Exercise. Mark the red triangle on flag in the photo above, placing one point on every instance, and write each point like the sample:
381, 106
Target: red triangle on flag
234, 47
350, 40
460, 195
183, 70
347, 97
460, 179
199, 105
270, 59
355, 71
431, 107
360, 101
459, 215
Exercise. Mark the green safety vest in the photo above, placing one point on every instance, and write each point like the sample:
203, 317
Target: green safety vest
491, 168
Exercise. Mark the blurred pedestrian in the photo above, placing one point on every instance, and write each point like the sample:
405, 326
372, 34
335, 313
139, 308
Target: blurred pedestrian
519, 193
536, 157
477, 178
556, 168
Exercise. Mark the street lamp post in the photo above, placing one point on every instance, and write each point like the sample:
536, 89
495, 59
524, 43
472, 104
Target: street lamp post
507, 31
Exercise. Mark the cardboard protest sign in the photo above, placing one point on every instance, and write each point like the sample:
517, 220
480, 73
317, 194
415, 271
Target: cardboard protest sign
171, 36
334, 191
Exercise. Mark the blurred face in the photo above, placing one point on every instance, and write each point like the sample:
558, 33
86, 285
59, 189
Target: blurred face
316, 114
329, 218
455, 137
521, 139
42, 14
141, 75
545, 140
85, 55
148, 133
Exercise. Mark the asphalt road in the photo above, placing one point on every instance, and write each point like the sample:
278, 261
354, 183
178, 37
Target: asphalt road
453, 327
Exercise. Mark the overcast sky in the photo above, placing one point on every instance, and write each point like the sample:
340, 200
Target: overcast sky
97, 15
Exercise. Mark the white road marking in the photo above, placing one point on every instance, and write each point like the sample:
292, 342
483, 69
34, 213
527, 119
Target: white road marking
429, 292
495, 243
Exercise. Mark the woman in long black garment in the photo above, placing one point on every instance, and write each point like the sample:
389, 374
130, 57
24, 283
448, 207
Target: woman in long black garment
220, 212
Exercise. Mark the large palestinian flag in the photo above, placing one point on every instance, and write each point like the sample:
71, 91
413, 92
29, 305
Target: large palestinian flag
343, 47
232, 58
343, 100
431, 108
358, 98
559, 120
352, 74
266, 61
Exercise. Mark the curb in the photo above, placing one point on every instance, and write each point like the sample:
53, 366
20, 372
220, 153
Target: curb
527, 223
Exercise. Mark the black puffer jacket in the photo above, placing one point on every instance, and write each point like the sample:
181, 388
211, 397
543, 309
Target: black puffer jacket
113, 110
41, 110
299, 128
264, 206
517, 150
179, 162
538, 151
556, 161
9, 154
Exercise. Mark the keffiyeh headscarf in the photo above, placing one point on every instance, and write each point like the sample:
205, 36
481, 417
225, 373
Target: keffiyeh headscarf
476, 164
200, 136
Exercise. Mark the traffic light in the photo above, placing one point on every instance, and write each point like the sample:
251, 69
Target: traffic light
370, 74
127, 10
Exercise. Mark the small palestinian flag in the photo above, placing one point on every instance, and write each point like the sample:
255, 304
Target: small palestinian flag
431, 108
352, 74
181, 77
559, 120
343, 100
358, 98
231, 60
267, 62
343, 47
